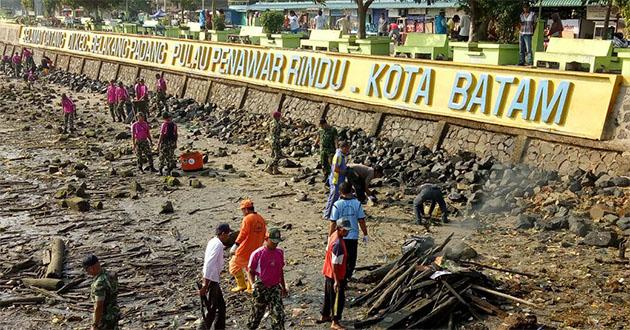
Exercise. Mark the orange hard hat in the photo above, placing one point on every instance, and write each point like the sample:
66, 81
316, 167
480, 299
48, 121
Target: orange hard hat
247, 204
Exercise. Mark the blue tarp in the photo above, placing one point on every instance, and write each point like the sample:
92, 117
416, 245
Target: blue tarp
159, 13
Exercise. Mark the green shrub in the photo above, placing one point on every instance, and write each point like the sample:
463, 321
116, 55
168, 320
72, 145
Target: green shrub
218, 23
272, 21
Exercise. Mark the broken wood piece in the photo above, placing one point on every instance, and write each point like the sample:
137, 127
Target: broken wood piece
21, 265
503, 295
28, 300
68, 286
280, 195
51, 284
21, 209
206, 208
465, 263
57, 253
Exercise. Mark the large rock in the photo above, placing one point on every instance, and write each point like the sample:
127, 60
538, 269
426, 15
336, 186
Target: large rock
621, 181
579, 226
78, 204
171, 181
167, 208
525, 221
598, 211
601, 238
555, 223
459, 251
623, 223
604, 181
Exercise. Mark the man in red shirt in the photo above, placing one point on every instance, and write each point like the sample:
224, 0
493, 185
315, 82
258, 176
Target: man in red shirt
335, 273
141, 139
266, 265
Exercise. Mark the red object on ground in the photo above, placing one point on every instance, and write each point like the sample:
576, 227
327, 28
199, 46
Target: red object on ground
191, 161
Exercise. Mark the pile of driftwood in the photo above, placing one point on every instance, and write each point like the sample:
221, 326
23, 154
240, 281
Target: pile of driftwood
424, 290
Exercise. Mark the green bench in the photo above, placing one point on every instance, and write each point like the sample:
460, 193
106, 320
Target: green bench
597, 54
419, 45
485, 53
283, 40
322, 39
249, 34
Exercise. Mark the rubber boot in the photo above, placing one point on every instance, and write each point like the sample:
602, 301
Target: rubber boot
250, 289
240, 282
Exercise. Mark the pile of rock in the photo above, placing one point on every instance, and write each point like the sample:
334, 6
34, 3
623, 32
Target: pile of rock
78, 83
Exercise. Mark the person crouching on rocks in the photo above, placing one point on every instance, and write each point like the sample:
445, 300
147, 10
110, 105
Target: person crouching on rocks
167, 144
141, 139
429, 193
69, 110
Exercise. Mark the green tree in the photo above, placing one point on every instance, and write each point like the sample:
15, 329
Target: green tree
134, 7
28, 5
187, 4
92, 6
504, 15
50, 6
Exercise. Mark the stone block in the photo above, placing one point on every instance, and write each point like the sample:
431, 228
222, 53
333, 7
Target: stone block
108, 71
197, 89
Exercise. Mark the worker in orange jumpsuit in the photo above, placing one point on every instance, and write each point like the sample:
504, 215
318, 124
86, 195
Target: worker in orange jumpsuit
251, 237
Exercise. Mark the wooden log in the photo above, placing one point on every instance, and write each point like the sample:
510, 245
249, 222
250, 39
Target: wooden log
394, 320
21, 265
389, 291
377, 274
51, 284
57, 253
434, 313
503, 295
28, 300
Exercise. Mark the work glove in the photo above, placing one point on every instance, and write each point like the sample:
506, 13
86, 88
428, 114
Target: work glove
233, 249
366, 239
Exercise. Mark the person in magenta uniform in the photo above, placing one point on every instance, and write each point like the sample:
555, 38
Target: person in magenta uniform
122, 98
266, 266
141, 140
111, 98
69, 110
17, 64
212, 266
167, 144
142, 97
160, 90
334, 272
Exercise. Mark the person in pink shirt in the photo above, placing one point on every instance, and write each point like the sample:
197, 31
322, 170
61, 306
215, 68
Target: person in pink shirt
69, 110
31, 77
29, 62
141, 140
142, 97
17, 64
160, 89
122, 97
111, 98
266, 265
167, 144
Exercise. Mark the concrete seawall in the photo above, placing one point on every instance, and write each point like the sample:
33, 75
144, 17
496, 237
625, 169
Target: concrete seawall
513, 145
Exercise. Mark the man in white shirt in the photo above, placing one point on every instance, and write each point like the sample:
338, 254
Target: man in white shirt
320, 20
212, 266
464, 28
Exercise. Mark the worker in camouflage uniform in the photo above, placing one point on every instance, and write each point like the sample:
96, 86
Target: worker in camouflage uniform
167, 144
104, 291
276, 149
141, 142
266, 271
327, 140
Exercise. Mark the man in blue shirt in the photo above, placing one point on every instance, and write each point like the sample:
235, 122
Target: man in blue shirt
350, 208
440, 23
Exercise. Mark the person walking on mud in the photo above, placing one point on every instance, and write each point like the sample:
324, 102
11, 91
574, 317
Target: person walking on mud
69, 111
142, 98
266, 271
337, 176
167, 144
210, 289
250, 237
160, 91
122, 98
276, 148
142, 143
104, 294
111, 99
327, 141
349, 208
334, 271
429, 193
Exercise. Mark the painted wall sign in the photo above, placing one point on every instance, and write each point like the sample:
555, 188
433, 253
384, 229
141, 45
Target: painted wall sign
567, 103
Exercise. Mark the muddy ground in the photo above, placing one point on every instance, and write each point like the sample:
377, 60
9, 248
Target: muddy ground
158, 257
